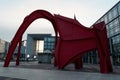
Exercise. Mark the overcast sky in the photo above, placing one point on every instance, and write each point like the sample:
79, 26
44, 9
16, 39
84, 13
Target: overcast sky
12, 13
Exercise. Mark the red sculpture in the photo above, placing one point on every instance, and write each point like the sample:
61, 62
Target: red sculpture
74, 41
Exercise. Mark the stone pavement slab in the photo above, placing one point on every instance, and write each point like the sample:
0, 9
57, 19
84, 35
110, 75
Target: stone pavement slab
38, 74
44, 74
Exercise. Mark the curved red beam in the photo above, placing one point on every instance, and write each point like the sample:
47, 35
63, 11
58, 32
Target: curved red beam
27, 21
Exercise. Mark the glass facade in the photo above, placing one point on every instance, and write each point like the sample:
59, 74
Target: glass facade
119, 8
39, 43
49, 43
116, 44
113, 27
112, 21
112, 14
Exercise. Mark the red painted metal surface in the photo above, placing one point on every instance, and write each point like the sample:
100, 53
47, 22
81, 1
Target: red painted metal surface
74, 40
18, 55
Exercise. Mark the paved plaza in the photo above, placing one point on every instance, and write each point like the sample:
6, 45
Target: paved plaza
27, 73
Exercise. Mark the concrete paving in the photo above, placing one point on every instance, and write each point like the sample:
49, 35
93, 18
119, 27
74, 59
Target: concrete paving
42, 74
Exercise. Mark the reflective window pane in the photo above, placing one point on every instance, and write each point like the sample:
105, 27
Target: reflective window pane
119, 8
112, 13
106, 19
45, 39
110, 16
113, 27
116, 39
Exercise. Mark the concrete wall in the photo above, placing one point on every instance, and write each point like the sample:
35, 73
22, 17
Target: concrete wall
2, 46
31, 45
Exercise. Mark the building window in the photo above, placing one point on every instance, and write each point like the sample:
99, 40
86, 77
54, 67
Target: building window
119, 8
109, 16
45, 39
119, 22
39, 46
116, 48
116, 39
108, 33
113, 27
106, 19
49, 43
112, 13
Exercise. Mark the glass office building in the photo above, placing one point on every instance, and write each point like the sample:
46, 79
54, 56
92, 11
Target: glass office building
49, 43
40, 43
3, 48
112, 21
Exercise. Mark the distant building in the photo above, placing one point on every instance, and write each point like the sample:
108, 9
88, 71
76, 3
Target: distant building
39, 43
4, 45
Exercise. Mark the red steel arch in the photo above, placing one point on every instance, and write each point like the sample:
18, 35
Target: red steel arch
27, 21
74, 41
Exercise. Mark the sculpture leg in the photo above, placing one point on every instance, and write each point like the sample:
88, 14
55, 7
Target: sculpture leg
18, 55
102, 45
9, 55
103, 64
104, 54
78, 63
56, 59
